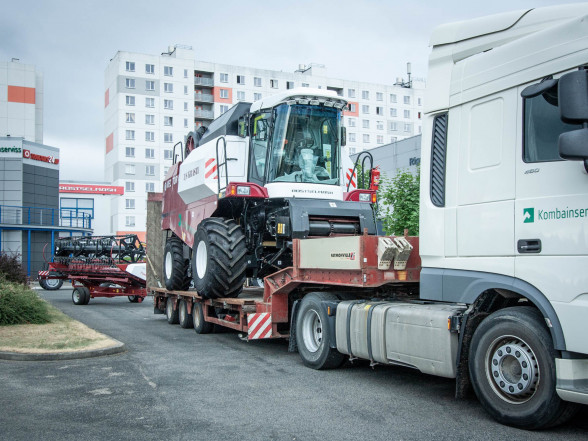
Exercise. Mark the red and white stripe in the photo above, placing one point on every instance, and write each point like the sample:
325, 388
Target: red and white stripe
260, 325
43, 273
350, 177
210, 169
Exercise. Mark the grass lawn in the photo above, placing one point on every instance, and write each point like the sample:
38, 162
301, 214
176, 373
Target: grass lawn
63, 334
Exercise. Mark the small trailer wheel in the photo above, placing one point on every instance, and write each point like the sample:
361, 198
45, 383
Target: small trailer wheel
200, 325
184, 315
80, 295
133, 299
50, 284
171, 314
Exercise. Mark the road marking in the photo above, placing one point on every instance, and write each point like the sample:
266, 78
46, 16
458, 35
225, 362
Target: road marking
102, 391
147, 379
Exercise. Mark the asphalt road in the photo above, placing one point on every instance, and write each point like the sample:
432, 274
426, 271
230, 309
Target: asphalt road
174, 384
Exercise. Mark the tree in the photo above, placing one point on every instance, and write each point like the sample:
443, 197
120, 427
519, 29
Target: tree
399, 203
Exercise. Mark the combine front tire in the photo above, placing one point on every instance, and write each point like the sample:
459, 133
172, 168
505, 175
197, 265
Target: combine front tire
219, 258
175, 266
512, 366
50, 284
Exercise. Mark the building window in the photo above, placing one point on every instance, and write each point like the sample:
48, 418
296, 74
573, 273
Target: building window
366, 124
186, 122
351, 93
380, 139
149, 85
150, 102
149, 187
393, 126
130, 66
149, 119
185, 73
129, 186
365, 109
149, 153
305, 85
224, 94
130, 118
130, 204
257, 82
407, 113
352, 137
150, 136
393, 98
379, 110
351, 122
129, 221
274, 84
130, 169
240, 95
224, 78
379, 96
168, 104
150, 170
130, 100
351, 107
167, 154
168, 137
168, 71
256, 96
366, 138
130, 135
406, 99
352, 150
130, 152
365, 94
185, 106
223, 108
380, 125
168, 121
393, 112
185, 90
130, 83
150, 68
407, 127
289, 84
77, 208
168, 87
419, 101
240, 79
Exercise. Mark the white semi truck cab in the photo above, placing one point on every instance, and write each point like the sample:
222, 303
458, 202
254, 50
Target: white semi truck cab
504, 202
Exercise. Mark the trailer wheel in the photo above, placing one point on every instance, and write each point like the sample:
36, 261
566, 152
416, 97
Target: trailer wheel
184, 316
80, 295
512, 367
134, 299
170, 313
313, 335
219, 258
51, 284
200, 325
175, 267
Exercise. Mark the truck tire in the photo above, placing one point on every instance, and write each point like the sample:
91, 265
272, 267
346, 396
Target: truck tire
200, 326
133, 299
184, 316
175, 267
219, 258
80, 295
51, 284
512, 367
313, 335
170, 312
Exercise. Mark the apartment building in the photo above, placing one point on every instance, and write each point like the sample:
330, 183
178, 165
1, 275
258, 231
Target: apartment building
152, 101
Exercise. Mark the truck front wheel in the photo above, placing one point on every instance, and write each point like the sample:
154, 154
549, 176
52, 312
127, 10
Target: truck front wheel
219, 259
175, 267
512, 367
313, 335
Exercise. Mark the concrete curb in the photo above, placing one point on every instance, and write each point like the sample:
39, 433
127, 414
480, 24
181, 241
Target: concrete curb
56, 356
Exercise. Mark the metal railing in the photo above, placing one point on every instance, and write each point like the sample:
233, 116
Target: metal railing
36, 216
204, 114
201, 81
205, 97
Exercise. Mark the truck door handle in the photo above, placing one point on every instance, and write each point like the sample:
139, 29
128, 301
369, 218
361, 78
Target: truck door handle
529, 246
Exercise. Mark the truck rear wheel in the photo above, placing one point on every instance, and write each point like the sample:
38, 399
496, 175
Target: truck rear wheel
184, 316
200, 325
50, 284
219, 258
175, 267
512, 367
313, 335
171, 313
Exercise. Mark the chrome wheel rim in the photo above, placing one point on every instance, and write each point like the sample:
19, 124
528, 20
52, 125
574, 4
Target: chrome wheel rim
201, 259
52, 283
76, 295
168, 265
312, 330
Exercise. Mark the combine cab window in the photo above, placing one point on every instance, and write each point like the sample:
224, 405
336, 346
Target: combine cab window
260, 124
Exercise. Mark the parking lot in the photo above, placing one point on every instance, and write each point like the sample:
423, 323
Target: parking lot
174, 384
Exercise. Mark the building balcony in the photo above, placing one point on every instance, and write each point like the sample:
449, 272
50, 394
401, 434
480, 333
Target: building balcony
18, 217
203, 97
201, 81
204, 114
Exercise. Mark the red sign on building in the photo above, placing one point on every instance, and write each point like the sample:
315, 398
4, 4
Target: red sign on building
91, 189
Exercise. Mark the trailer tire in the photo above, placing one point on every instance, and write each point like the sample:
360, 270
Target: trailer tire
133, 299
200, 325
313, 336
175, 267
184, 316
51, 284
512, 367
219, 258
170, 312
80, 295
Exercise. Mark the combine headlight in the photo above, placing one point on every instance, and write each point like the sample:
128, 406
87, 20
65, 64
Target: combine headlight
243, 190
364, 197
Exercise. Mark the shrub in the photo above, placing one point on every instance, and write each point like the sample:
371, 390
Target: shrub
21, 305
11, 268
400, 203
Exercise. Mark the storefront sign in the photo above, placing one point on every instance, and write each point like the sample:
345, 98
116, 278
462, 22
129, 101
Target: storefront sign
91, 189
50, 159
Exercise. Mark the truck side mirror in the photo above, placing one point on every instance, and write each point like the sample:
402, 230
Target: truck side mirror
343, 136
573, 108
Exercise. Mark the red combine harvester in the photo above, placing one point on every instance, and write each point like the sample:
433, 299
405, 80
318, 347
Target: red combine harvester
98, 266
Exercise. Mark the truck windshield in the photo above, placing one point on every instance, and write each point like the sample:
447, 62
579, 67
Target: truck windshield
305, 145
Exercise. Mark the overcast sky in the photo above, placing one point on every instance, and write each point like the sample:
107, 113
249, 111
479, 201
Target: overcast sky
71, 43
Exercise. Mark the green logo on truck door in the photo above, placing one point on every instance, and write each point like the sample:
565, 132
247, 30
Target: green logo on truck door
528, 215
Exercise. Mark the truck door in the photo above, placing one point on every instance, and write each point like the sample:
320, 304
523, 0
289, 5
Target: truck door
551, 209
